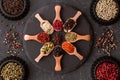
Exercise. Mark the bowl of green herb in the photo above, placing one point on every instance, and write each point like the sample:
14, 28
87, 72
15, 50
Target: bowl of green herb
13, 68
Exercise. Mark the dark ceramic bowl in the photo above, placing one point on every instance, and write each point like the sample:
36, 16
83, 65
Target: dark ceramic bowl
100, 20
18, 61
19, 16
100, 61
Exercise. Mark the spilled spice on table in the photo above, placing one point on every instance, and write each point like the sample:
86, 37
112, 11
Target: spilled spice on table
13, 42
106, 42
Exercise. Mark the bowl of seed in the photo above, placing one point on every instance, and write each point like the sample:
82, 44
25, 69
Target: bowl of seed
13, 68
105, 68
14, 9
105, 12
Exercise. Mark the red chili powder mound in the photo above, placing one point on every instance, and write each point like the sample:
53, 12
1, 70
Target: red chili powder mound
107, 71
57, 25
43, 37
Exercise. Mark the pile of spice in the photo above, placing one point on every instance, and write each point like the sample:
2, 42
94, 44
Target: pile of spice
13, 7
106, 9
68, 47
13, 41
69, 25
57, 39
11, 71
107, 71
106, 41
57, 25
43, 37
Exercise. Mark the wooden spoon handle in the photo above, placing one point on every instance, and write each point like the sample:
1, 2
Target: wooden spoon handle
77, 15
29, 37
39, 57
58, 63
80, 57
57, 10
85, 37
39, 18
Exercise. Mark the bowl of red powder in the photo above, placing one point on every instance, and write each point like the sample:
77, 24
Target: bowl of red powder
106, 68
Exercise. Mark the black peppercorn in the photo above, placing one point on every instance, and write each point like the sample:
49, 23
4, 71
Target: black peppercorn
57, 51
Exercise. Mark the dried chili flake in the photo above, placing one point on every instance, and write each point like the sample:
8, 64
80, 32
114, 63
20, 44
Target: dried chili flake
58, 25
43, 37
107, 71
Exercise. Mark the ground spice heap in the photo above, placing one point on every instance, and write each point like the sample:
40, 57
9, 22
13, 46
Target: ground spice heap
13, 41
106, 42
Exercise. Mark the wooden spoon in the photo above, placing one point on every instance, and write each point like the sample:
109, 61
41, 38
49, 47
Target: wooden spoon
77, 15
45, 25
57, 56
57, 21
80, 57
57, 11
78, 37
35, 37
67, 26
42, 54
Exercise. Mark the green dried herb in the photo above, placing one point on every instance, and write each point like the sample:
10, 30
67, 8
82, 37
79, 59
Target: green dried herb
12, 71
47, 47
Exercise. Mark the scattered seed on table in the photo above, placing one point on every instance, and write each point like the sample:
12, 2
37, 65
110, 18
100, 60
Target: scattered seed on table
13, 41
106, 42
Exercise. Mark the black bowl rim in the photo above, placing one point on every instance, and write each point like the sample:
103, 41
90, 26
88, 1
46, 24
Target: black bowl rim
101, 60
2, 9
101, 21
16, 17
17, 60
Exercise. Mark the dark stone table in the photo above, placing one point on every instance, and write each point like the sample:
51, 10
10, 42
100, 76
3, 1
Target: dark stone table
83, 73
